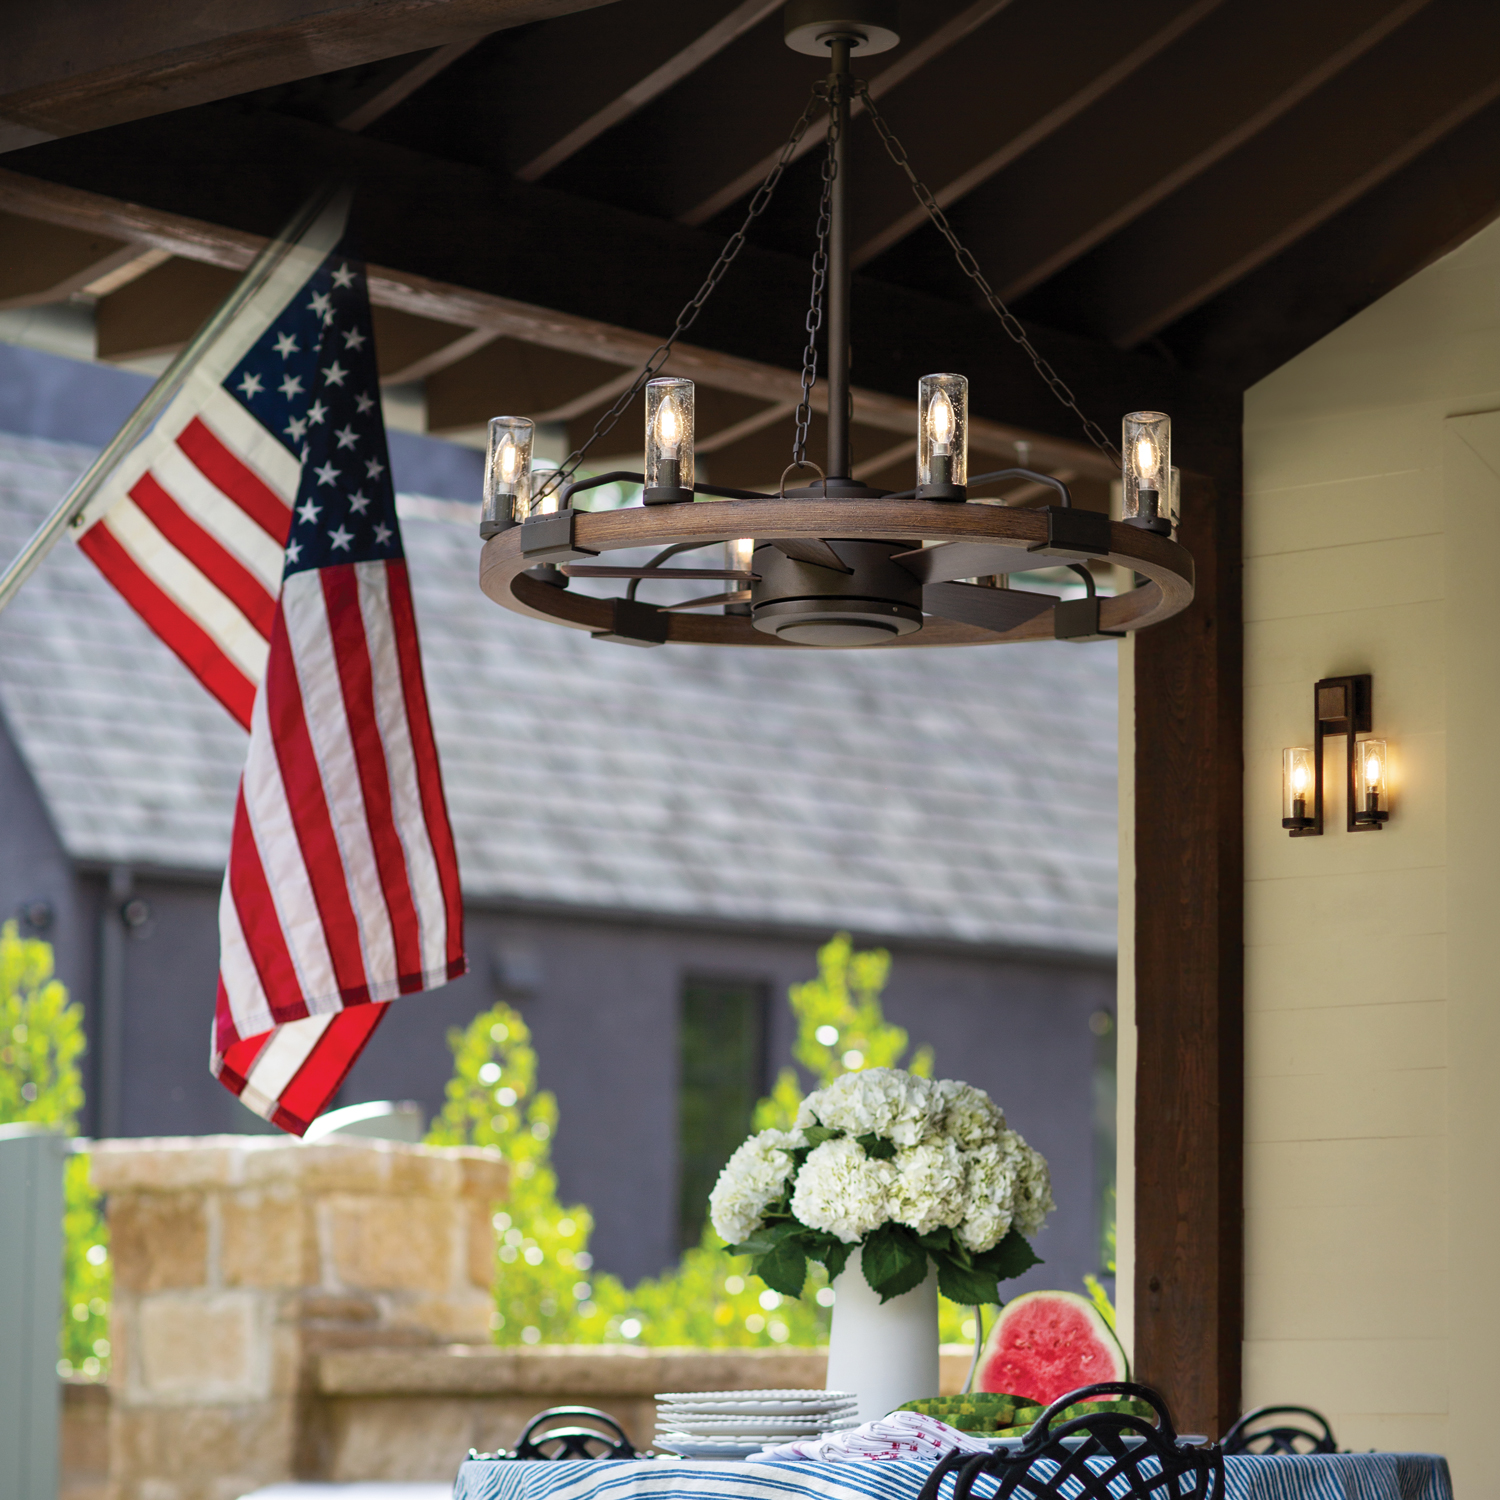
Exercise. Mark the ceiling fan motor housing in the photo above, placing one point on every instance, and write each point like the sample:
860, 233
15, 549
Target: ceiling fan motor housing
810, 605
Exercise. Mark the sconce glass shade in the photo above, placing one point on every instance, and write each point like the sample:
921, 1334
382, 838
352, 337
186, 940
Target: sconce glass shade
669, 440
942, 437
507, 474
1146, 442
1298, 788
1371, 781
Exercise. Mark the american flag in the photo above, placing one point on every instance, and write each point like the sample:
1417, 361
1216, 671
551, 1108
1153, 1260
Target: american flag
255, 532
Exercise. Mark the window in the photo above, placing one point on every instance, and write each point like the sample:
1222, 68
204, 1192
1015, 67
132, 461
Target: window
722, 1055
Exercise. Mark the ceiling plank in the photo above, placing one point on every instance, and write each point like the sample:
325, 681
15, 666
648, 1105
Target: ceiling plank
1420, 83
951, 30
728, 28
1431, 206
159, 312
458, 244
79, 65
1079, 59
1238, 71
401, 88
726, 437
48, 262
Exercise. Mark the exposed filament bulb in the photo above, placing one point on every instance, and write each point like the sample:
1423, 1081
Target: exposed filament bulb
941, 417
1145, 457
668, 429
510, 462
1300, 779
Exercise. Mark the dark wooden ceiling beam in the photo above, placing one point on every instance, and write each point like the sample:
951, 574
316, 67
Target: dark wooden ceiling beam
48, 262
1395, 102
1073, 55
1238, 72
446, 227
77, 65
405, 84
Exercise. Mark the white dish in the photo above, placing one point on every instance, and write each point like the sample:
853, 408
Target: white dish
696, 1398
699, 1447
749, 1426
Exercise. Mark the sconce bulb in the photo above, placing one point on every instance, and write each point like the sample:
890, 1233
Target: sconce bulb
1372, 770
669, 428
1145, 457
1300, 779
941, 417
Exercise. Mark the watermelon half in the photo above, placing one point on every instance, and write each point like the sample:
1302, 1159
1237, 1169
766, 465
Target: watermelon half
1045, 1344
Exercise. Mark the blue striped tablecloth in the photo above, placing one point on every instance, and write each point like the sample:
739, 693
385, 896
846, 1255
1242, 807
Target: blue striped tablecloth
1333, 1476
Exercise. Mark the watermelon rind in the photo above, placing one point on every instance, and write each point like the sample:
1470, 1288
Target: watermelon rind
1046, 1344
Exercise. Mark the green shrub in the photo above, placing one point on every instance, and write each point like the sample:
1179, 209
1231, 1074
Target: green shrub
41, 1040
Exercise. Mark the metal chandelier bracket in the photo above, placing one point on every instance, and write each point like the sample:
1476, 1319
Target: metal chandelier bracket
836, 563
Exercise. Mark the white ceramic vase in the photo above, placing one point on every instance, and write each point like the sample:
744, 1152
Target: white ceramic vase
886, 1354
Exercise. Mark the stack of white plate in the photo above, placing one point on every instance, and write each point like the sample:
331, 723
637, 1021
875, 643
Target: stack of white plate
735, 1424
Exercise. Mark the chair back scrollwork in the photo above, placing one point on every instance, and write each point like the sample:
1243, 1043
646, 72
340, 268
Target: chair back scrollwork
1112, 1455
543, 1439
1249, 1436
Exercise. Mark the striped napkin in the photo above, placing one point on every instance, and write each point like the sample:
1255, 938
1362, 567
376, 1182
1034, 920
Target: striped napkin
903, 1434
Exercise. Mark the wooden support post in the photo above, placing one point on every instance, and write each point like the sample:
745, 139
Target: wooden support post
1189, 862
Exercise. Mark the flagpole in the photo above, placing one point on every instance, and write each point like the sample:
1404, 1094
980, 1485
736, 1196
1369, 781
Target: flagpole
155, 401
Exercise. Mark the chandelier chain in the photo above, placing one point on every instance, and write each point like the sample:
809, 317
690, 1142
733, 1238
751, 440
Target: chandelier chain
686, 318
819, 283
970, 267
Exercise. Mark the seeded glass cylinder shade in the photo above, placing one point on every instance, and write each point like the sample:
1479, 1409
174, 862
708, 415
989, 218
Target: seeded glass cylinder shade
545, 502
507, 474
739, 556
1147, 447
942, 437
1174, 497
669, 440
1298, 787
1371, 779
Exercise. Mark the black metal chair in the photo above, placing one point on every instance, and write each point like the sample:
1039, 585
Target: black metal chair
1114, 1447
1281, 1437
567, 1442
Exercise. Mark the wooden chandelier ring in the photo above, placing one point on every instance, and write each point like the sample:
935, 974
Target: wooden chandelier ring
1167, 567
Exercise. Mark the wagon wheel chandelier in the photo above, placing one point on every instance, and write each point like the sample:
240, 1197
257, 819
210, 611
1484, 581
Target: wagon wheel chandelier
833, 562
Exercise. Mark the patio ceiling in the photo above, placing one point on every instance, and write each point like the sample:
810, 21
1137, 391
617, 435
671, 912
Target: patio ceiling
1176, 196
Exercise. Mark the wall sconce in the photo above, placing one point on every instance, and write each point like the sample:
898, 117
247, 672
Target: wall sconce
1341, 705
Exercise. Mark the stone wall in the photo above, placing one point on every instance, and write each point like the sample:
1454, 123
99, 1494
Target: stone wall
239, 1260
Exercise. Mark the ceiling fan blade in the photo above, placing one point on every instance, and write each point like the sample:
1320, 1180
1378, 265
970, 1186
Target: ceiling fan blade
607, 570
990, 609
949, 560
739, 596
811, 549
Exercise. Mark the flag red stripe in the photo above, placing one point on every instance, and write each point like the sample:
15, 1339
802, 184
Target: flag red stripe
211, 558
306, 797
260, 922
238, 1060
424, 747
230, 476
316, 1081
196, 648
351, 651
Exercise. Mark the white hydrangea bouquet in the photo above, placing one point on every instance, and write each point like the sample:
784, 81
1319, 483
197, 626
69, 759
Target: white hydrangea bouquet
908, 1169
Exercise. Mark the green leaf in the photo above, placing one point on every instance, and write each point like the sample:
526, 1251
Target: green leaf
940, 1242
784, 1270
964, 1284
815, 1135
1013, 1256
768, 1237
877, 1147
893, 1261
835, 1257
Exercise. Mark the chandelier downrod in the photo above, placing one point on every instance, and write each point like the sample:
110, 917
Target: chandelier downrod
839, 406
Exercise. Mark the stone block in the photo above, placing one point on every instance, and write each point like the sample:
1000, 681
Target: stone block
158, 1240
267, 1239
201, 1348
395, 1244
200, 1452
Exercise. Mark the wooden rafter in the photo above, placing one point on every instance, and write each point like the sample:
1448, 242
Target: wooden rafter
79, 65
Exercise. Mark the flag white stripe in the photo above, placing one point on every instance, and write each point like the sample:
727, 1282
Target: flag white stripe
198, 496
247, 999
401, 762
260, 450
280, 853
311, 640
188, 588
277, 1062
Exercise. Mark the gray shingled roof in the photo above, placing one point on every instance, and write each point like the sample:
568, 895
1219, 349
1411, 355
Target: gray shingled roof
966, 794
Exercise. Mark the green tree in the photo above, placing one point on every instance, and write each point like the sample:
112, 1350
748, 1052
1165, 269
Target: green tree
41, 1040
